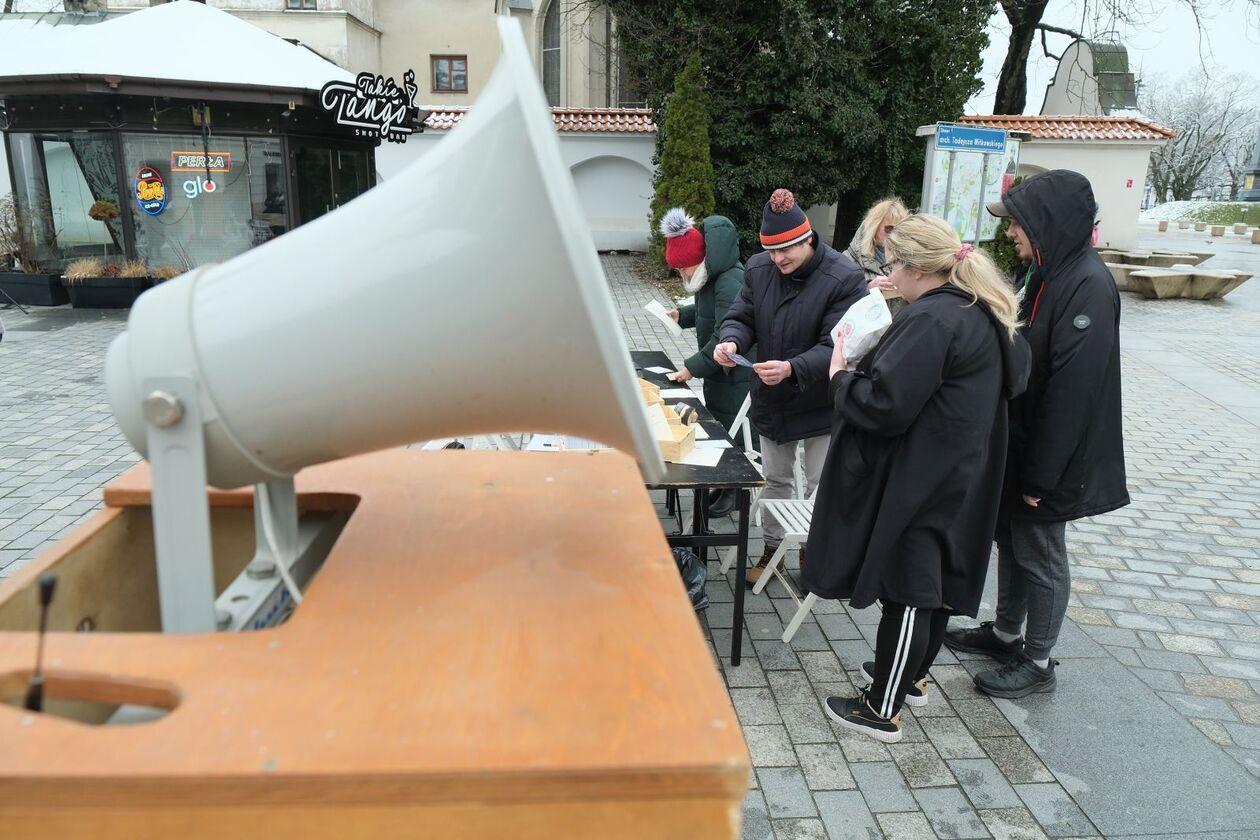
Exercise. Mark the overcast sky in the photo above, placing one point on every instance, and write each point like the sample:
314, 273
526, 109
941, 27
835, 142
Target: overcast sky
1166, 44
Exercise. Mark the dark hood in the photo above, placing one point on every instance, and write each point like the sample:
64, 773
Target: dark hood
1056, 209
721, 245
1016, 355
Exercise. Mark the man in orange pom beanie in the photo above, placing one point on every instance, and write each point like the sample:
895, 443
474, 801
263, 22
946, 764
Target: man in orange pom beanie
794, 292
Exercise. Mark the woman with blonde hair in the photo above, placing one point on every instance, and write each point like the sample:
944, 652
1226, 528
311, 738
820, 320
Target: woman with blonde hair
867, 248
909, 495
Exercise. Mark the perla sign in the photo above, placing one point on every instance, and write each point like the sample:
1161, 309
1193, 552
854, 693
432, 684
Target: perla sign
374, 106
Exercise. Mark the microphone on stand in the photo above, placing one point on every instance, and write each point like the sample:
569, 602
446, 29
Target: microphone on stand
35, 689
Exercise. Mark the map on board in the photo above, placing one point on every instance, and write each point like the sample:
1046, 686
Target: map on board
965, 194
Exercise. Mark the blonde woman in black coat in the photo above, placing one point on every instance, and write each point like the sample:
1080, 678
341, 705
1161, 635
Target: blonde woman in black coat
909, 494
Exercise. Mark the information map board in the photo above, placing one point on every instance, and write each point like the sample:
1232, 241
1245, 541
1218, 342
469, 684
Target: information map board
966, 167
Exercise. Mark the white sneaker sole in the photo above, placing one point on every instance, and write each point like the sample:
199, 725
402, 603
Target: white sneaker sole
878, 735
910, 700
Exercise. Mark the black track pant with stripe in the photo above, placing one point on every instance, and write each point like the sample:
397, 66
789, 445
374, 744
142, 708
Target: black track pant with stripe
906, 645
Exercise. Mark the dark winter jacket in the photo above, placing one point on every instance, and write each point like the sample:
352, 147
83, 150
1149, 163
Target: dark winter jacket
909, 494
789, 318
1067, 446
724, 389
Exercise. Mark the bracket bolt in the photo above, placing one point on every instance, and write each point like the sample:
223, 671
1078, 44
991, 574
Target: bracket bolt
163, 409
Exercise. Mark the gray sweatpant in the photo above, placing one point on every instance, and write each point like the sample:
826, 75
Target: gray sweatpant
1033, 582
779, 462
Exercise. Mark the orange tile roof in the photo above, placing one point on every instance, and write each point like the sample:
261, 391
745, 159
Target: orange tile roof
606, 120
1075, 128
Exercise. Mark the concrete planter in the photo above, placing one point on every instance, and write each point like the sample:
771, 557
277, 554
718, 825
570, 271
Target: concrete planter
1163, 226
1200, 226
106, 292
1255, 237
1183, 226
1240, 228
32, 289
1218, 230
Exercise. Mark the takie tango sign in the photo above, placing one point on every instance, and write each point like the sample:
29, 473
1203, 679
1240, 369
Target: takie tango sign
374, 106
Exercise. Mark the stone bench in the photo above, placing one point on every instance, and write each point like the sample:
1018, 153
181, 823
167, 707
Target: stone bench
1209, 285
1159, 285
1155, 259
1182, 281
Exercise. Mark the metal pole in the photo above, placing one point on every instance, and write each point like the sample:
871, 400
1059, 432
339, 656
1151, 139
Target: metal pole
949, 182
984, 188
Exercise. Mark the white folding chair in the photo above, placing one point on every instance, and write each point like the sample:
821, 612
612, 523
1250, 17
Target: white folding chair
794, 515
741, 432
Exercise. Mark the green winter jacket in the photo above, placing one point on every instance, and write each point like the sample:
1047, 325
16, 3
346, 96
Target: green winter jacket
724, 389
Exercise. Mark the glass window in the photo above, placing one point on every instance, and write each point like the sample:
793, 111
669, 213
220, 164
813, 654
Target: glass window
305, 5
450, 73
327, 177
213, 206
551, 53
67, 192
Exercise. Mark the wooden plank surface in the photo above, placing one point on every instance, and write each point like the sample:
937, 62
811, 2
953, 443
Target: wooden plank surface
489, 626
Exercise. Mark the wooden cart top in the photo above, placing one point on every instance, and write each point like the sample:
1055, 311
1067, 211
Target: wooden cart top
487, 624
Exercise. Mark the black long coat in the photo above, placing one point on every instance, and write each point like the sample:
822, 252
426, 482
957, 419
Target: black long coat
789, 318
909, 494
1067, 443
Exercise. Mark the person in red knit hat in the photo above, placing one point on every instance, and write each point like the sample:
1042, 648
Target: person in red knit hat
794, 292
707, 259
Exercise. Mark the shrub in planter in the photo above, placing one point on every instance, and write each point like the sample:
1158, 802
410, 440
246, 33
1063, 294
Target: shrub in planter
21, 280
94, 284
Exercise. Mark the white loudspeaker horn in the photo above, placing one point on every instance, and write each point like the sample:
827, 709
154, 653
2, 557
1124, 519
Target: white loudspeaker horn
464, 296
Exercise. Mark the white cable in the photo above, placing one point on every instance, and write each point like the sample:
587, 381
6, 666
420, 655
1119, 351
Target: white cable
264, 498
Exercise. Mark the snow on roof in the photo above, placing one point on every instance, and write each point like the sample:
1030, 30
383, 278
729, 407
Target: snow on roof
183, 43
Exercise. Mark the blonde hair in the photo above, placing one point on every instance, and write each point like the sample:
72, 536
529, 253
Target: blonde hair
930, 244
885, 211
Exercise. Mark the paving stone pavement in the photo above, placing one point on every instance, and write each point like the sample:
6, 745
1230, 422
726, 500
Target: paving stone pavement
1165, 604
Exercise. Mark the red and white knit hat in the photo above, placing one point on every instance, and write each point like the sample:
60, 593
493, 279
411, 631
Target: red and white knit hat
684, 245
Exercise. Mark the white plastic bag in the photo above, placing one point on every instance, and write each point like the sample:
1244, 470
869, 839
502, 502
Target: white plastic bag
863, 326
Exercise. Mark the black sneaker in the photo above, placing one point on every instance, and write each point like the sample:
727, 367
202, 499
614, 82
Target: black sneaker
982, 640
855, 713
1018, 677
916, 696
721, 503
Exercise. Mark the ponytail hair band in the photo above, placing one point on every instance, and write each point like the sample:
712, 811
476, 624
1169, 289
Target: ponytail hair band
962, 252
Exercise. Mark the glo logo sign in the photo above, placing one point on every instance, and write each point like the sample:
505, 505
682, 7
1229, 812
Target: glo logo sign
198, 186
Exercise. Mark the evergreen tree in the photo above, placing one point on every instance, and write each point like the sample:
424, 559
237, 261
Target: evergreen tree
820, 96
684, 171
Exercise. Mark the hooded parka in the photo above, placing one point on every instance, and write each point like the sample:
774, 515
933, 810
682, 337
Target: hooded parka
1067, 444
789, 318
909, 494
724, 390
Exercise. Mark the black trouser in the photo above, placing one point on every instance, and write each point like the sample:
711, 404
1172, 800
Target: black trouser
906, 645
